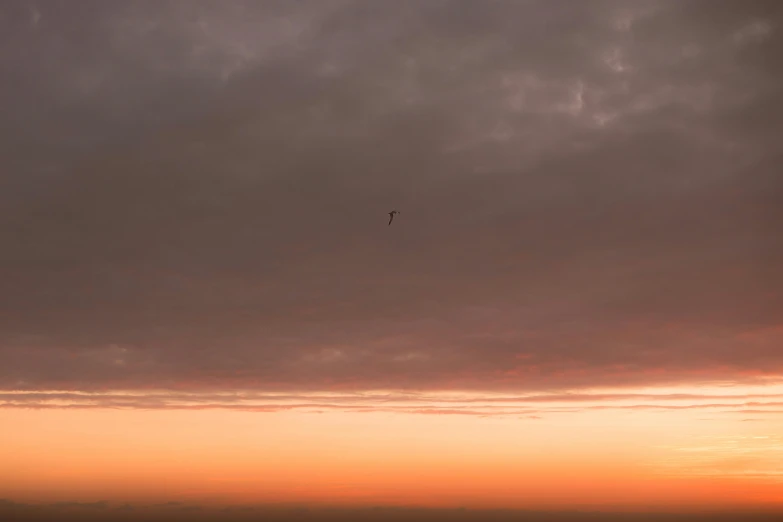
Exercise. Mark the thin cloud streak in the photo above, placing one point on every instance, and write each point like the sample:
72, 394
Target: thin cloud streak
390, 403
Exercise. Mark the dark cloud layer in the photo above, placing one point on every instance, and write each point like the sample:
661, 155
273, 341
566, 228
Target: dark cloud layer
103, 511
195, 196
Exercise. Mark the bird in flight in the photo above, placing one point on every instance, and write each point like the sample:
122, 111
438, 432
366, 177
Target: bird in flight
391, 215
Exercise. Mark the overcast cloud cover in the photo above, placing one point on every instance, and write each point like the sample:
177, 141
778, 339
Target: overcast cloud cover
194, 194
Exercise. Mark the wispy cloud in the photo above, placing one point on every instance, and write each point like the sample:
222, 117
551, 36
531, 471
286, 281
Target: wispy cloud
391, 402
736, 456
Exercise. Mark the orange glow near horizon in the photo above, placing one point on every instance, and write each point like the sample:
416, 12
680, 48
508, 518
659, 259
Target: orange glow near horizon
598, 458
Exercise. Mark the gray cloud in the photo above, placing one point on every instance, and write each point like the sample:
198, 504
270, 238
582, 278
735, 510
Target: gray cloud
285, 512
195, 196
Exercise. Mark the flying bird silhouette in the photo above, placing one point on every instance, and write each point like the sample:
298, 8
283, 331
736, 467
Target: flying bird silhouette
391, 215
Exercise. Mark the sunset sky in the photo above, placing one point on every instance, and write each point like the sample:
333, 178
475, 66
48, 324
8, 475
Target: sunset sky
579, 306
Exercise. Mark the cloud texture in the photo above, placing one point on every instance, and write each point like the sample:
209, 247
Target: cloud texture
195, 196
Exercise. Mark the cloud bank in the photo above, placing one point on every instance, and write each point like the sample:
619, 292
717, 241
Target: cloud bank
195, 197
104, 511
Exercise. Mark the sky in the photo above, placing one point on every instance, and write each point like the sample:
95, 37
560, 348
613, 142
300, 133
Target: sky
578, 306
